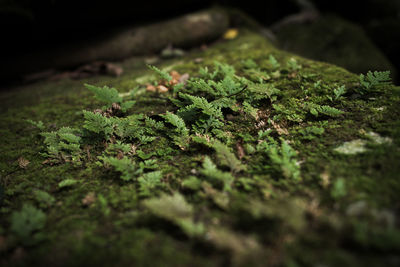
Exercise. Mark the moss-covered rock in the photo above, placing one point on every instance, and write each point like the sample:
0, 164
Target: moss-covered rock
245, 169
335, 40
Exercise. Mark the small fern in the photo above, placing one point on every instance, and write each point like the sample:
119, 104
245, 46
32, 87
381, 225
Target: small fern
62, 145
125, 166
283, 159
227, 158
149, 183
215, 175
316, 109
97, 123
105, 94
374, 79
273, 62
181, 133
109, 96
163, 74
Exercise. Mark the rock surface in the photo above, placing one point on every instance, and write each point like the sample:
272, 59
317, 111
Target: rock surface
262, 186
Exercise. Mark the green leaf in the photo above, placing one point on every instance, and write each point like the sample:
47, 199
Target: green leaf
372, 80
149, 182
38, 124
163, 74
96, 122
126, 166
215, 175
274, 63
227, 158
26, 222
283, 158
176, 210
127, 105
105, 94
67, 183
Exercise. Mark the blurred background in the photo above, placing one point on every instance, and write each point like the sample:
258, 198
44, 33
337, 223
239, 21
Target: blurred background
359, 35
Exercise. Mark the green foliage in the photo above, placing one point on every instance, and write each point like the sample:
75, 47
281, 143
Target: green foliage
97, 123
127, 105
116, 148
109, 96
339, 189
227, 158
192, 183
181, 134
105, 94
273, 62
374, 79
62, 145
339, 92
250, 64
43, 198
260, 91
293, 65
37, 124
176, 210
27, 223
283, 159
215, 175
200, 104
125, 166
163, 74
310, 133
325, 110
103, 203
67, 183
249, 109
149, 183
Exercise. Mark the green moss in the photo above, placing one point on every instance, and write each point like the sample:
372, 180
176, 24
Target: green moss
272, 184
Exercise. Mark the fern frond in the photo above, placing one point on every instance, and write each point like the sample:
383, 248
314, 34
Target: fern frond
376, 78
105, 94
227, 158
95, 122
163, 74
211, 171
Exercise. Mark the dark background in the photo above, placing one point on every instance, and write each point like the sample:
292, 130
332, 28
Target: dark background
35, 25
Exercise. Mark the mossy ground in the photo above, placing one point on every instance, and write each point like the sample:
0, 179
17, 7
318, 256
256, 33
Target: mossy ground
343, 210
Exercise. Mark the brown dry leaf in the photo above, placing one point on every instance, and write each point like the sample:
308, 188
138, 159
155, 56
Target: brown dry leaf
151, 88
162, 89
292, 75
325, 179
279, 128
198, 60
120, 155
115, 106
175, 75
89, 199
240, 150
87, 149
173, 82
23, 163
133, 149
113, 70
184, 77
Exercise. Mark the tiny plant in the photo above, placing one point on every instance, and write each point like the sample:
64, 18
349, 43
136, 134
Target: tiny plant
372, 80
27, 224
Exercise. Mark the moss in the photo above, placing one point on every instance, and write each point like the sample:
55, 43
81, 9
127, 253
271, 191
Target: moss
262, 217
